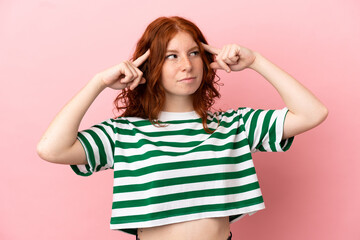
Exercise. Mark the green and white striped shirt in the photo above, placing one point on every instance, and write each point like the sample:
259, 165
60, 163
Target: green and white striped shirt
178, 172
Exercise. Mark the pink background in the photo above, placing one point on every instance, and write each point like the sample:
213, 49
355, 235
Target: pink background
50, 49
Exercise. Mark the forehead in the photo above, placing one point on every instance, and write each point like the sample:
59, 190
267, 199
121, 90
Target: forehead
181, 41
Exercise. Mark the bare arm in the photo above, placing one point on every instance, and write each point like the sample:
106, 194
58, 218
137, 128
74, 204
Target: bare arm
305, 110
59, 143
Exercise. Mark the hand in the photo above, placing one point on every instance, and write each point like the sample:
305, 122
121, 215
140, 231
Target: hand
126, 74
231, 57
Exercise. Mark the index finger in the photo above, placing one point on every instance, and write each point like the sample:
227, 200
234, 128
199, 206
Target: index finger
211, 49
140, 60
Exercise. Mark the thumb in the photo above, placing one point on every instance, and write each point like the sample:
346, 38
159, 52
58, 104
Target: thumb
215, 65
142, 81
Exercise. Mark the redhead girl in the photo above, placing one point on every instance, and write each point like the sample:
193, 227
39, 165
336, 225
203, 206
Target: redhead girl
181, 171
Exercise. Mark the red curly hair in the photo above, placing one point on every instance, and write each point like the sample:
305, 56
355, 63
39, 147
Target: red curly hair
147, 100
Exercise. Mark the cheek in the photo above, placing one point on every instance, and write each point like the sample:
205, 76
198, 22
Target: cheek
166, 75
200, 67
167, 70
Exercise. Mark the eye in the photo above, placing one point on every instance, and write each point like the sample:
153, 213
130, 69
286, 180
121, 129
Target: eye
171, 56
194, 53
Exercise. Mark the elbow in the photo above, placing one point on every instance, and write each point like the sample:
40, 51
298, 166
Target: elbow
299, 124
323, 113
44, 153
320, 116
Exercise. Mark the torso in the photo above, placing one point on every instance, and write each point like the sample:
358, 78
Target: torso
202, 229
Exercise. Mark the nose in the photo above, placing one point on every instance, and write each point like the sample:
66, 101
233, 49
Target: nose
186, 64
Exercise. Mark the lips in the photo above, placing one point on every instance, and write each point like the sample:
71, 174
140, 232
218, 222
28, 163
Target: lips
187, 79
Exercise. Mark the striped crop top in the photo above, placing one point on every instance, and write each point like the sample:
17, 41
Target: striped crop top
177, 172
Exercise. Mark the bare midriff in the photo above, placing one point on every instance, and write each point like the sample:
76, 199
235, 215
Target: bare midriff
202, 229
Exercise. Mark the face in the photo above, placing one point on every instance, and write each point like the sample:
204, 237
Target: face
183, 67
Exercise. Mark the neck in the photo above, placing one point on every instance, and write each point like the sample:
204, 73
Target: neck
179, 104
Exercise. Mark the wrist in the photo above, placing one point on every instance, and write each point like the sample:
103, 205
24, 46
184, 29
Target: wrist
98, 83
256, 63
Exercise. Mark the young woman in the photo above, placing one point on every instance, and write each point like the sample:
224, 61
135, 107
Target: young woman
180, 170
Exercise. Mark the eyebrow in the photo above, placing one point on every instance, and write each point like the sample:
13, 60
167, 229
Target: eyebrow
193, 48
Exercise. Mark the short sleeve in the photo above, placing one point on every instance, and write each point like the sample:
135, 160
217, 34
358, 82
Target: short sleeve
265, 129
99, 144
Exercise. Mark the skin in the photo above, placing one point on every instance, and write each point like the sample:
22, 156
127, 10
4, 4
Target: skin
182, 73
59, 143
305, 109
